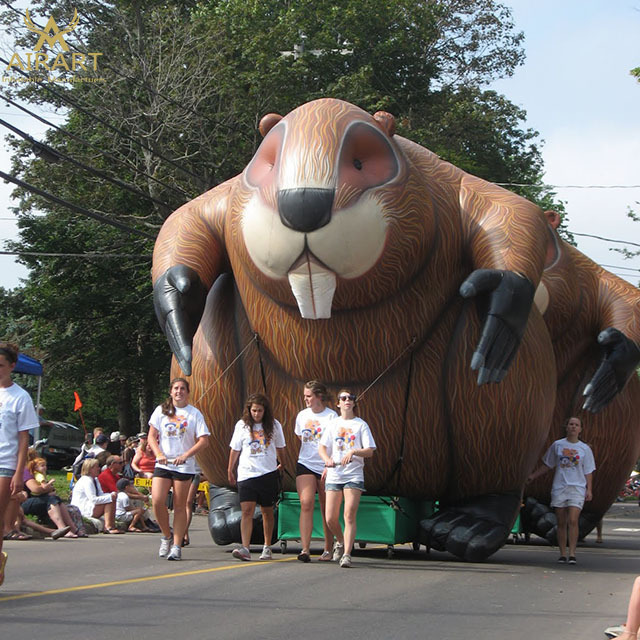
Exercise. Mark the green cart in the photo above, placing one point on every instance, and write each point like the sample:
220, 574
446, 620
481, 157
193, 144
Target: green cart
381, 520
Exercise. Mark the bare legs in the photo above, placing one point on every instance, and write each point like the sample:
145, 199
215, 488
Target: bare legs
568, 523
633, 613
159, 492
351, 502
307, 485
61, 518
107, 510
5, 495
246, 523
191, 496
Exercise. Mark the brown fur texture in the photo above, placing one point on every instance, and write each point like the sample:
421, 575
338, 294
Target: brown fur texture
456, 439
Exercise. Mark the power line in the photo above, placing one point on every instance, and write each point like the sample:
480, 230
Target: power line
80, 108
570, 186
616, 266
74, 207
96, 172
177, 190
589, 235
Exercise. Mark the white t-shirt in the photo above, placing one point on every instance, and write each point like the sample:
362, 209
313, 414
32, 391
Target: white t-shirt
256, 456
572, 461
122, 504
310, 427
16, 414
177, 434
339, 437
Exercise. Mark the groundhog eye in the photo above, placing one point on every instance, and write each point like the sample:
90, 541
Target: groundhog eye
357, 164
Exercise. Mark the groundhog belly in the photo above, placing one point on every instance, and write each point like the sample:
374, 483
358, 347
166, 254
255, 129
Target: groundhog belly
438, 433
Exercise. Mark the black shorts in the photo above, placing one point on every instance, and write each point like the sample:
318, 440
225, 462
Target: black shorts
262, 490
159, 472
39, 505
301, 470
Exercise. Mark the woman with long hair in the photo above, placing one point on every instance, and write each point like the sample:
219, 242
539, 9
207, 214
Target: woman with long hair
17, 416
346, 442
310, 425
177, 431
255, 445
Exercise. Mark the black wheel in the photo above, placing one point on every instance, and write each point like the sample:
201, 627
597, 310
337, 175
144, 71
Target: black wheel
390, 551
283, 546
415, 546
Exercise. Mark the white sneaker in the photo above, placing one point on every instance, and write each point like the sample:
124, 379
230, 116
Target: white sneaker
242, 553
175, 553
266, 554
338, 551
165, 545
345, 561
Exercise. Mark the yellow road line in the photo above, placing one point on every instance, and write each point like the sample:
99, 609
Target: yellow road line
100, 585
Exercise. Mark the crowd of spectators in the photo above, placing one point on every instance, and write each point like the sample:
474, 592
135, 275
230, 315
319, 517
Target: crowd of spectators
103, 495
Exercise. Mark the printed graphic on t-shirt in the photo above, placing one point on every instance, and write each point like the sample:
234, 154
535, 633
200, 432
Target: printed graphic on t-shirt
258, 443
175, 426
344, 439
569, 458
312, 431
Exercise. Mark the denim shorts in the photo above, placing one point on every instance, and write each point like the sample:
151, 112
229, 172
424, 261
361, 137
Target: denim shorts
353, 484
6, 473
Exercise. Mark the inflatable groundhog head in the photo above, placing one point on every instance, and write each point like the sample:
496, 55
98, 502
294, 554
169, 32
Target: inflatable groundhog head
315, 218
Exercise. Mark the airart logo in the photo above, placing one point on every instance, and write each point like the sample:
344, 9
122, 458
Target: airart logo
51, 32
37, 63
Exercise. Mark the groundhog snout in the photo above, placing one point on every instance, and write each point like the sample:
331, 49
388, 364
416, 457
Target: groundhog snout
305, 209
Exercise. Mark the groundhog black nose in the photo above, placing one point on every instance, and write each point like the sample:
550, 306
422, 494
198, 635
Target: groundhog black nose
305, 209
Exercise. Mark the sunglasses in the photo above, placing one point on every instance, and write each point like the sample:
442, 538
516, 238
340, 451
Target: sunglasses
346, 397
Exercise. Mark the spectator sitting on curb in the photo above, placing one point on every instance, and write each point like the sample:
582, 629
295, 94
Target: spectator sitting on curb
108, 481
125, 512
14, 528
88, 496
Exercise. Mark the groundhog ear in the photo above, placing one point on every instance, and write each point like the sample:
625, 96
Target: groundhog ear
386, 122
553, 218
268, 122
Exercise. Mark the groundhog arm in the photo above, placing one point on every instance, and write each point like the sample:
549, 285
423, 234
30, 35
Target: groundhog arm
506, 236
188, 257
619, 310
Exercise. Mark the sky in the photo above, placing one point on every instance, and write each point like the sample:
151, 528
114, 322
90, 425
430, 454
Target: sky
578, 94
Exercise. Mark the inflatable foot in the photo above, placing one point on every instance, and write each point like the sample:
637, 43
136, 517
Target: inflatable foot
540, 518
471, 530
225, 516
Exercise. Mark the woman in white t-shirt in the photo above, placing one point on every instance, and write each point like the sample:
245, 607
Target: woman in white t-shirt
310, 425
344, 445
17, 416
177, 431
572, 484
255, 445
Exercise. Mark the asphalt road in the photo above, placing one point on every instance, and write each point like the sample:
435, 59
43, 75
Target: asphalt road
116, 587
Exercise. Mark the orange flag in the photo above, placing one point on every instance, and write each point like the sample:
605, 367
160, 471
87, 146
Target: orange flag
78, 404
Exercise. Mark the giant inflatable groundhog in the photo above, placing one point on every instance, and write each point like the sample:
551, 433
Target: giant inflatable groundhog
594, 322
342, 252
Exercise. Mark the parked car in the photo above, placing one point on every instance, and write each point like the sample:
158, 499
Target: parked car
58, 443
